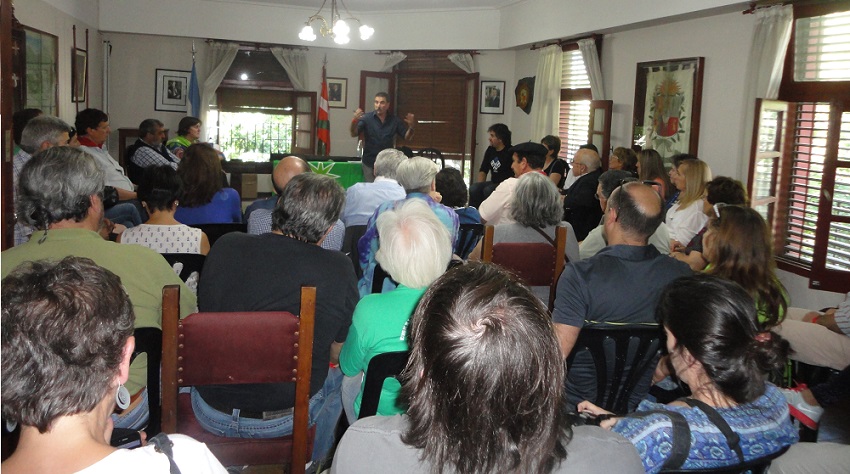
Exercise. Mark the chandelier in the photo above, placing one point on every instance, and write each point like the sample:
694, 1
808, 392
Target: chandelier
335, 27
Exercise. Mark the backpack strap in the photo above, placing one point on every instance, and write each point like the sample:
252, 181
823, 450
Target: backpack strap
163, 445
732, 438
680, 437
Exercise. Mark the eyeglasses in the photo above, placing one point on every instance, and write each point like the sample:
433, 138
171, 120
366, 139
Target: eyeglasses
717, 207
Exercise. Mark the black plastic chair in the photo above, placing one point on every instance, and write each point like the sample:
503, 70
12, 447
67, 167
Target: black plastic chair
621, 358
149, 341
191, 263
214, 231
378, 277
381, 367
349, 246
468, 237
434, 155
756, 466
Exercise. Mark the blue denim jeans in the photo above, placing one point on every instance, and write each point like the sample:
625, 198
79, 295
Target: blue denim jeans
124, 213
325, 410
135, 419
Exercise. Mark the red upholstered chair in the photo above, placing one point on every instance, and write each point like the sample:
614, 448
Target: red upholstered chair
537, 264
237, 348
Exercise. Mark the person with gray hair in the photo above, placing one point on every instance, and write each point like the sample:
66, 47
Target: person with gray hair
60, 195
580, 207
417, 176
265, 272
149, 150
535, 211
362, 199
415, 250
617, 287
596, 240
39, 133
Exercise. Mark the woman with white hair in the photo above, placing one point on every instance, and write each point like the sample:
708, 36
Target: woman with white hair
536, 211
415, 250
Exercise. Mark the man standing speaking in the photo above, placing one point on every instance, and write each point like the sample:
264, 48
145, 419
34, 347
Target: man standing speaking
379, 129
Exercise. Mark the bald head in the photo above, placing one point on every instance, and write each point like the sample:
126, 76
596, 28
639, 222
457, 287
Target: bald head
637, 212
585, 161
288, 168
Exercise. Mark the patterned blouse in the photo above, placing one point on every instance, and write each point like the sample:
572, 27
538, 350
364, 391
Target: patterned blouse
763, 425
165, 238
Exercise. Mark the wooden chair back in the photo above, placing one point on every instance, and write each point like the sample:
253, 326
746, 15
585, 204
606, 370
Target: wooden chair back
238, 348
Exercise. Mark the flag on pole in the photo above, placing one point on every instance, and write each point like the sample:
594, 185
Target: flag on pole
323, 126
194, 92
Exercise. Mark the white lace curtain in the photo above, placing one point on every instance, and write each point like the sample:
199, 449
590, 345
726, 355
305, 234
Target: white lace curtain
764, 72
590, 56
294, 62
393, 59
219, 58
463, 61
547, 92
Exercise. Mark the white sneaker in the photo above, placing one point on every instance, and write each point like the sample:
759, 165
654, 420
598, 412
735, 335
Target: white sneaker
809, 415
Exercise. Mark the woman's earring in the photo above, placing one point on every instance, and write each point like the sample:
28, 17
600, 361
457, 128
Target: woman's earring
122, 397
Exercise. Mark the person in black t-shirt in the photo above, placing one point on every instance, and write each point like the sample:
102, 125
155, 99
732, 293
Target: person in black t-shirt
497, 162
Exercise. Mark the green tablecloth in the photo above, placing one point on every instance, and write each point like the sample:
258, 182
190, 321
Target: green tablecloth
345, 172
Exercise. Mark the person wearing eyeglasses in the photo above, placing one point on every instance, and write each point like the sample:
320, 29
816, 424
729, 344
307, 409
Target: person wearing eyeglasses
596, 239
720, 191
580, 207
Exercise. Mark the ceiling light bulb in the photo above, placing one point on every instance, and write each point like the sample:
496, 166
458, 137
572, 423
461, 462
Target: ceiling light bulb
341, 29
243, 76
366, 32
341, 39
307, 33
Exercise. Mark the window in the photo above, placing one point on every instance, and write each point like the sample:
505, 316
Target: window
257, 111
800, 172
574, 117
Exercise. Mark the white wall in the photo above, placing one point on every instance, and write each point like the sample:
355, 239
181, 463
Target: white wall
49, 19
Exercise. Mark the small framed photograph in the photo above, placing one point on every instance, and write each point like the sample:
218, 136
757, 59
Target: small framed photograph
79, 75
337, 93
172, 90
492, 97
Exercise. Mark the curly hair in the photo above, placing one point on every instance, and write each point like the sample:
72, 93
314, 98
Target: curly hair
65, 326
451, 187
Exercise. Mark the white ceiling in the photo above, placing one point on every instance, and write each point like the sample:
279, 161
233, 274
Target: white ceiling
387, 6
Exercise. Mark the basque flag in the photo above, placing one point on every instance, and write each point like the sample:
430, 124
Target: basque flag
323, 126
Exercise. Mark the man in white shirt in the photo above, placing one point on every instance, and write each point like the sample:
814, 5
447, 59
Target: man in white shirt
527, 157
93, 129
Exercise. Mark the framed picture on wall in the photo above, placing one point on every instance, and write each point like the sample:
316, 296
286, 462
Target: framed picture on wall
79, 75
172, 90
492, 98
35, 65
337, 92
668, 98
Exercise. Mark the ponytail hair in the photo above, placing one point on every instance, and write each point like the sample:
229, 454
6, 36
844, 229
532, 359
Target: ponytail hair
715, 319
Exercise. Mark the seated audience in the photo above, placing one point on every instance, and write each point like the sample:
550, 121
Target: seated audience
496, 163
284, 171
719, 191
738, 247
625, 159
416, 175
204, 200
733, 415
485, 383
361, 199
159, 191
453, 193
672, 173
59, 195
685, 217
36, 133
650, 167
260, 219
595, 240
580, 207
526, 158
265, 273
555, 168
93, 129
149, 150
535, 212
67, 343
188, 133
618, 286
818, 338
415, 250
